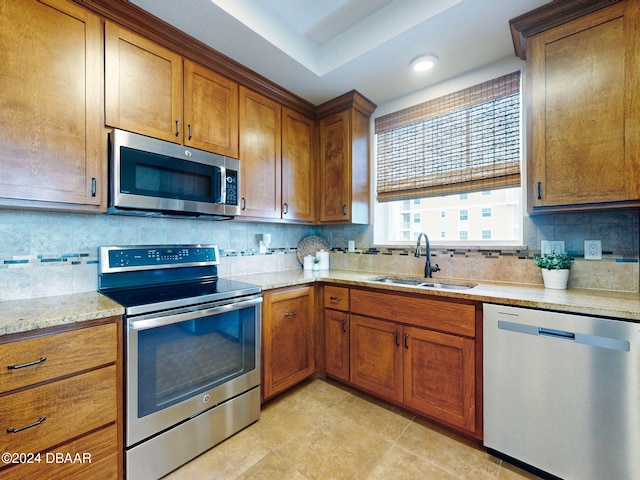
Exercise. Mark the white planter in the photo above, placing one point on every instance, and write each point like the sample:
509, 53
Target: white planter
556, 279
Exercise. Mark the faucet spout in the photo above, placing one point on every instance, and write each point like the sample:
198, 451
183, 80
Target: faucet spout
428, 268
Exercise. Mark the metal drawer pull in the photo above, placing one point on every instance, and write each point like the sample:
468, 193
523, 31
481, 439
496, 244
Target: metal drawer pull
337, 299
344, 325
16, 430
177, 128
190, 131
406, 341
290, 314
397, 338
35, 362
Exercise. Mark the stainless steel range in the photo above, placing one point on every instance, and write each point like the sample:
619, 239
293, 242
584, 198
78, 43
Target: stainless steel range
192, 352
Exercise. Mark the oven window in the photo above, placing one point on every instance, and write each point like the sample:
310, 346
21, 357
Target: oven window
178, 361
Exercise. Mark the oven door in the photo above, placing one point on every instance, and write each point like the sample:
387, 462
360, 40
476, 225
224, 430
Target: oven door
183, 362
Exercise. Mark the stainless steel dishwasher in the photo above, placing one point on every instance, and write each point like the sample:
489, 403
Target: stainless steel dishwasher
562, 392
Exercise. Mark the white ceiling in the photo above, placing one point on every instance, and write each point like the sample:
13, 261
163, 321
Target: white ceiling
319, 49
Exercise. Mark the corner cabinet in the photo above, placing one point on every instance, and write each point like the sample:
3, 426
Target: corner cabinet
584, 107
419, 352
185, 103
61, 395
344, 159
288, 348
53, 142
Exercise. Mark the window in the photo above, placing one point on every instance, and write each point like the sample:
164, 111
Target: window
459, 150
443, 234
416, 218
416, 201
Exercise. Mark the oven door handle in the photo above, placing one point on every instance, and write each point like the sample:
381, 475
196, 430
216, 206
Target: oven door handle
169, 318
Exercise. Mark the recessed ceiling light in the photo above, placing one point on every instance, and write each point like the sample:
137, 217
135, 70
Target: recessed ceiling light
424, 63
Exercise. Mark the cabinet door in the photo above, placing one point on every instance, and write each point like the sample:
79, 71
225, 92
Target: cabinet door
53, 142
584, 109
260, 155
143, 91
298, 167
376, 357
288, 347
335, 171
210, 110
439, 376
336, 335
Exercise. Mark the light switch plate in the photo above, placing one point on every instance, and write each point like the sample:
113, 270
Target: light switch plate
593, 249
551, 246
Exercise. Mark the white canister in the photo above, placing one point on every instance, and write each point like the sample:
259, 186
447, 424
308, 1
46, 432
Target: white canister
308, 262
323, 256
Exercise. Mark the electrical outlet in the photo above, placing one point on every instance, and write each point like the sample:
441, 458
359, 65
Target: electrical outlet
551, 246
593, 249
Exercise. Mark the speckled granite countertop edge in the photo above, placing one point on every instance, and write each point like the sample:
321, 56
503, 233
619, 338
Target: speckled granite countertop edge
18, 316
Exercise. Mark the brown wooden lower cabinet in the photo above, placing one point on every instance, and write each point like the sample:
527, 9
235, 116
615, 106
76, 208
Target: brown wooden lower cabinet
412, 350
60, 402
287, 339
92, 456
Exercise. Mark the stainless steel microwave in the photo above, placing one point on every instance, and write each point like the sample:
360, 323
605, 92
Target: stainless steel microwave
154, 177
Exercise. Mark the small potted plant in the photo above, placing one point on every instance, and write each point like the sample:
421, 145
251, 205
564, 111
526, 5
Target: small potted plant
555, 269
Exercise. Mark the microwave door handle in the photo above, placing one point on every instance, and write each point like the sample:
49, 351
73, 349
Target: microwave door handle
223, 186
169, 318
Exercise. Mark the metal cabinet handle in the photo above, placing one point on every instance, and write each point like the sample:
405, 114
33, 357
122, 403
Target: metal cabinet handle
94, 186
37, 422
406, 341
190, 131
344, 209
285, 209
539, 190
397, 338
244, 204
291, 314
344, 325
177, 128
28, 364
337, 299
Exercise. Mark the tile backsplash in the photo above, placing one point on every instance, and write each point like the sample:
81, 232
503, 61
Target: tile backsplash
43, 253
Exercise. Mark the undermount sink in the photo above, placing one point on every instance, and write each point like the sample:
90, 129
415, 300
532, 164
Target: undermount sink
420, 283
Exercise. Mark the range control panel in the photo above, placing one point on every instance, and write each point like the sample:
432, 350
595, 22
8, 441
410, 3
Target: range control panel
113, 259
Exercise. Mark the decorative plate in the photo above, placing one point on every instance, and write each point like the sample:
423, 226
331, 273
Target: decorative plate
309, 246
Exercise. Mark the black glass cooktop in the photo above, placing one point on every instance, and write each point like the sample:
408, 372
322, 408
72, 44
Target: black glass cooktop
147, 299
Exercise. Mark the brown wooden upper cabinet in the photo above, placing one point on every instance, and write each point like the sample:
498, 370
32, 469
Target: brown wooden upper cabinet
149, 91
53, 142
344, 159
584, 99
277, 164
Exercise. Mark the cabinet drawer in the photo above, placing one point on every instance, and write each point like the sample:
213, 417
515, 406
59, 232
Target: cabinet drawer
336, 298
445, 316
72, 406
94, 456
65, 353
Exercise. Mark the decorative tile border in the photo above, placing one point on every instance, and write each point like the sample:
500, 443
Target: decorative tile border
45, 260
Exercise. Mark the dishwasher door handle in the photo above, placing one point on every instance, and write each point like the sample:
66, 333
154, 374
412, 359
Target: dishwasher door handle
556, 333
582, 338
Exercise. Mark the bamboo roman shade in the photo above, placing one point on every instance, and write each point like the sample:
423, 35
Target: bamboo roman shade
463, 142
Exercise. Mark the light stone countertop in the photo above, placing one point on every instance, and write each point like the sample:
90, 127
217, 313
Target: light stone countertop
26, 315
624, 305
18, 316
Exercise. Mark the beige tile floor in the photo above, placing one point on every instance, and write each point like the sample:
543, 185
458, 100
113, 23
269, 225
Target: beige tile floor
324, 430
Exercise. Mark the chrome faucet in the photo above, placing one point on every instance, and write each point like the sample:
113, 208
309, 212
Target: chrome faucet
428, 269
